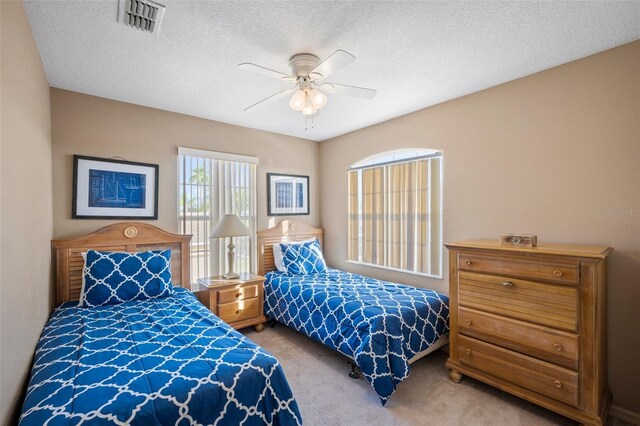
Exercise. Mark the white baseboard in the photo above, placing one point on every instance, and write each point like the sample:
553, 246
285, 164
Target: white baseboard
624, 414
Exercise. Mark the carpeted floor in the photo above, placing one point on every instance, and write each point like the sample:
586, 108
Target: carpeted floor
327, 396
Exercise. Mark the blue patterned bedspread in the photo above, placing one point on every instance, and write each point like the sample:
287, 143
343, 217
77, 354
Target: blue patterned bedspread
379, 325
166, 361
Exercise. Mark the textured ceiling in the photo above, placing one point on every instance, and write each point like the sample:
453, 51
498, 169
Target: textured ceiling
416, 54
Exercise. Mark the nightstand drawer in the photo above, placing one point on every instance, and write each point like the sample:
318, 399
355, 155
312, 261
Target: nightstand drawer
547, 379
247, 291
546, 304
238, 311
238, 302
535, 340
565, 273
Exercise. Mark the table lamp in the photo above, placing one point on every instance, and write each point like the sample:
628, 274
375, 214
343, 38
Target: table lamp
230, 226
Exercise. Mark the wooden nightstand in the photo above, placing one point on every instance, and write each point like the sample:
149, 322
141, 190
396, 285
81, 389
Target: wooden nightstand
238, 302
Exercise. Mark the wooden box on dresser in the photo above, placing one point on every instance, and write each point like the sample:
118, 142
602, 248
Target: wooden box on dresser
532, 322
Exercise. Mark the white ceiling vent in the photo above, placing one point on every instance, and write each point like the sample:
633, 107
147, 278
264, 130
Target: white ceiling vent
144, 15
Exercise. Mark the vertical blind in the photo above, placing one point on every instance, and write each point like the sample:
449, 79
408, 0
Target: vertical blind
210, 185
395, 215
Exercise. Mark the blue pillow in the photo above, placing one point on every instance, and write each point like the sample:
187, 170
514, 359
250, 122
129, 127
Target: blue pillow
117, 277
301, 259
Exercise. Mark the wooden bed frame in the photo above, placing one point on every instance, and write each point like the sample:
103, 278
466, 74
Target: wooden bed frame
287, 230
125, 236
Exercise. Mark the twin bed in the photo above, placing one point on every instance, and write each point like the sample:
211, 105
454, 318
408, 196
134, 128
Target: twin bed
382, 327
157, 361
169, 360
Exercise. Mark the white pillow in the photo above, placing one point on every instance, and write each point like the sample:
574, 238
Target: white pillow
277, 252
84, 265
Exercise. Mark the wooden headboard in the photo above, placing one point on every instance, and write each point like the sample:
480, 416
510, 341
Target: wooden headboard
287, 230
125, 236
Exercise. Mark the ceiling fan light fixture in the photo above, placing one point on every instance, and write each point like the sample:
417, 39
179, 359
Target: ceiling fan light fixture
318, 98
309, 107
308, 102
309, 110
297, 101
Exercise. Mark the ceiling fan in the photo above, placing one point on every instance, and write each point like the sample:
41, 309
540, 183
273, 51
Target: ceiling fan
309, 73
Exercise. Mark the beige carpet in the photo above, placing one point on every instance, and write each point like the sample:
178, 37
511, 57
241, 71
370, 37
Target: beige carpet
327, 396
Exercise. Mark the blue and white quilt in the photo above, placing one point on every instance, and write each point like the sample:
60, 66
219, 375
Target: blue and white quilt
378, 324
163, 361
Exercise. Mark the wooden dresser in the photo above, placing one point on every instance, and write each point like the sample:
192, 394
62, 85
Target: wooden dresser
532, 322
238, 302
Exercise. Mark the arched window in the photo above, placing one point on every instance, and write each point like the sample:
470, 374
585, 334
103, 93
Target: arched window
395, 211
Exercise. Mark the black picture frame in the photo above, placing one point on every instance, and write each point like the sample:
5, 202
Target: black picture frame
102, 187
287, 195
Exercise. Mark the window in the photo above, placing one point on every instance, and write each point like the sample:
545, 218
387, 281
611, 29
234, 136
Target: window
210, 185
395, 212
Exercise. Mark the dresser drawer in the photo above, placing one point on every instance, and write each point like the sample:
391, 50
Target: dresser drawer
546, 304
238, 311
538, 341
547, 379
246, 291
564, 273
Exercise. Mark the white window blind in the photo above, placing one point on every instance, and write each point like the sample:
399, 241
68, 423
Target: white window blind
210, 185
395, 213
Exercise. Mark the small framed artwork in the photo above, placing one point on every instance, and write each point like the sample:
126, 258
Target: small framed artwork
104, 188
287, 195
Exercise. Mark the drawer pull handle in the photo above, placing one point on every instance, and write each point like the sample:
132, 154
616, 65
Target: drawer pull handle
238, 295
557, 383
557, 347
467, 351
468, 262
508, 284
468, 322
557, 273
238, 311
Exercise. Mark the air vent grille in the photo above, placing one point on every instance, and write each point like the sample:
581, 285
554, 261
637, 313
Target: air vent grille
143, 15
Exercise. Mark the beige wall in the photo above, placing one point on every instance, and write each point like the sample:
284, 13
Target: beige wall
88, 125
555, 154
25, 214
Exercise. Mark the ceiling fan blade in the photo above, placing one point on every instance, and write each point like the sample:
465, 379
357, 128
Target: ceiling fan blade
338, 60
272, 98
343, 89
248, 66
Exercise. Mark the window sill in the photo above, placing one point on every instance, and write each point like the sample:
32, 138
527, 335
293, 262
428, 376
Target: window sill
404, 271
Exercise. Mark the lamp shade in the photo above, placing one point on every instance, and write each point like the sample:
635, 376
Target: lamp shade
318, 98
297, 100
229, 226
